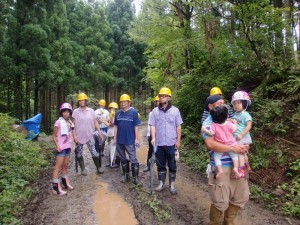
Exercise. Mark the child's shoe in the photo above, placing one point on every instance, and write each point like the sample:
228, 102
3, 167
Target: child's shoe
242, 171
57, 189
66, 183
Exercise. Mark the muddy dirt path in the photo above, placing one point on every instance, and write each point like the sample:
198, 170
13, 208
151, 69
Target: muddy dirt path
105, 200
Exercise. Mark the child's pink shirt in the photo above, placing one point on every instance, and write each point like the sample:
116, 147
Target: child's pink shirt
64, 142
224, 132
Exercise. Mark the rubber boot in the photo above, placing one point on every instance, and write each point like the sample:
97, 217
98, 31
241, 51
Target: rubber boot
230, 214
117, 162
56, 188
162, 180
66, 183
215, 215
125, 168
172, 177
97, 164
82, 167
135, 174
147, 168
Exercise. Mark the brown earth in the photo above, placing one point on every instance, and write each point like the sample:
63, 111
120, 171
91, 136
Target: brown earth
189, 206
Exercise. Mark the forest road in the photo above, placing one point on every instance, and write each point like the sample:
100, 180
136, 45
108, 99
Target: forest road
105, 200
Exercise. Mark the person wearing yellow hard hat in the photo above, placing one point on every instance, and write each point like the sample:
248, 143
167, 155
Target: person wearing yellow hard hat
103, 120
85, 122
150, 150
215, 91
165, 124
114, 159
126, 138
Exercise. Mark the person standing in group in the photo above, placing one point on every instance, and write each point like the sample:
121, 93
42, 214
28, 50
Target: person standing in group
235, 192
216, 91
165, 128
126, 138
114, 159
103, 120
151, 149
63, 128
85, 122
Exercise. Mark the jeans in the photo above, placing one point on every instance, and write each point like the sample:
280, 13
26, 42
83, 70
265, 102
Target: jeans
164, 155
130, 149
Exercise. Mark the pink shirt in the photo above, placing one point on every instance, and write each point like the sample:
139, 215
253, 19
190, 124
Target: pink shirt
84, 124
224, 132
64, 142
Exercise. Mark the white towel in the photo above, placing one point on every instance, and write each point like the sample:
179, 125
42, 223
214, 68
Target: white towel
63, 127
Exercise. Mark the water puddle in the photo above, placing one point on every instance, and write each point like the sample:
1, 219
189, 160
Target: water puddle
111, 208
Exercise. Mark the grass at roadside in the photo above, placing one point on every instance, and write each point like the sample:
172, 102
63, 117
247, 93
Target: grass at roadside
21, 162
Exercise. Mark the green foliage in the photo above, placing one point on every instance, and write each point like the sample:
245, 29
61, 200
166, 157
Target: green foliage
193, 152
259, 194
21, 161
292, 204
262, 155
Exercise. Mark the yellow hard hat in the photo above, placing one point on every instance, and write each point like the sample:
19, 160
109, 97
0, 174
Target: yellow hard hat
215, 91
82, 96
125, 97
156, 98
165, 91
113, 105
102, 102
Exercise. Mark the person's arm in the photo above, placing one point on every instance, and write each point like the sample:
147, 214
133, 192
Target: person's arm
219, 147
97, 128
208, 132
54, 137
153, 132
136, 132
245, 131
178, 140
74, 133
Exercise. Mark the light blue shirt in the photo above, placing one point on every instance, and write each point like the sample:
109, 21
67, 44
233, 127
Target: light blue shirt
242, 118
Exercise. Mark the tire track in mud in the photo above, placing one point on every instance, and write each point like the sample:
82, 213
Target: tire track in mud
189, 207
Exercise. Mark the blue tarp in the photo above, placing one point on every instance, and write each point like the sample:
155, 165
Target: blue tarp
33, 126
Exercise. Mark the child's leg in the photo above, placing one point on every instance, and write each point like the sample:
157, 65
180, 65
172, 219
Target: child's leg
65, 178
235, 161
55, 181
58, 166
217, 157
247, 162
241, 159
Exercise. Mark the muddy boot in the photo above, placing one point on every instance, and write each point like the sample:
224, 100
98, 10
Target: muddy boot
172, 177
81, 164
162, 180
125, 168
66, 182
97, 164
230, 214
215, 216
135, 174
147, 168
117, 162
57, 188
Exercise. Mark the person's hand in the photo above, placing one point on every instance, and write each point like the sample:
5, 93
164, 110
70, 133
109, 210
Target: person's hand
100, 135
239, 137
58, 149
177, 145
75, 140
153, 141
241, 149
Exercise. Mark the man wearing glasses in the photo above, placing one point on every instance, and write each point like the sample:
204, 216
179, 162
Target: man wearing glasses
165, 122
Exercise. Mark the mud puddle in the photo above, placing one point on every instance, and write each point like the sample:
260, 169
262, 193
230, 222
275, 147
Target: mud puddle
111, 208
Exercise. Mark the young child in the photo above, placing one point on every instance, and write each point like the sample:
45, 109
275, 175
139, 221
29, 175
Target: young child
114, 159
62, 140
240, 101
222, 129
